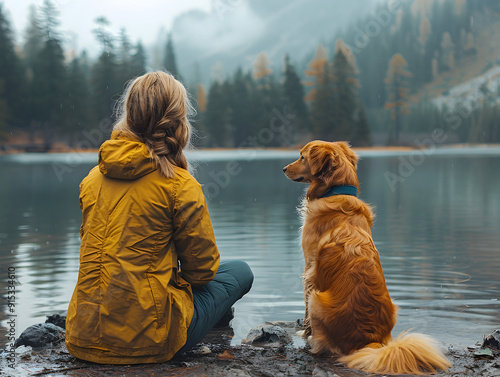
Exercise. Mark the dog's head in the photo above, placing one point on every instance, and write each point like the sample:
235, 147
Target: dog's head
323, 165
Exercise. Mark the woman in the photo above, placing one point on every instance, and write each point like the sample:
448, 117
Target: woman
149, 285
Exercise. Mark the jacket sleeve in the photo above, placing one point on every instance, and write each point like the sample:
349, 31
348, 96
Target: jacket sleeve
87, 201
81, 208
193, 235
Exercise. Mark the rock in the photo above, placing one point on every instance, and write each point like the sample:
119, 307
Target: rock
202, 350
483, 353
320, 372
268, 332
284, 324
40, 335
493, 340
238, 373
58, 320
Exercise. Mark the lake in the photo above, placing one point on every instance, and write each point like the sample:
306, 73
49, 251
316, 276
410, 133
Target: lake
437, 230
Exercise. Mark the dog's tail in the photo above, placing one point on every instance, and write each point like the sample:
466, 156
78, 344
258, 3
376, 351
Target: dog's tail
407, 354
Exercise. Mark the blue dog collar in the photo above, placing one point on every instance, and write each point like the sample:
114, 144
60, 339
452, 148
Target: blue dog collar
341, 190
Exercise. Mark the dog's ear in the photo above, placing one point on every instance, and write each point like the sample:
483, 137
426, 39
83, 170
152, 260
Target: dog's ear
321, 158
350, 154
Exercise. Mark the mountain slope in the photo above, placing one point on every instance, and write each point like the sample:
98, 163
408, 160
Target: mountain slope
235, 35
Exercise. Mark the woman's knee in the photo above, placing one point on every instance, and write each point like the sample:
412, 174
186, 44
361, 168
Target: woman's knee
240, 270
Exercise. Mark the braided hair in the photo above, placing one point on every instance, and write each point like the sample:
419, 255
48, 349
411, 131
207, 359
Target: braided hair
154, 110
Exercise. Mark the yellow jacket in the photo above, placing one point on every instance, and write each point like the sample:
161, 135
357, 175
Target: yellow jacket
133, 302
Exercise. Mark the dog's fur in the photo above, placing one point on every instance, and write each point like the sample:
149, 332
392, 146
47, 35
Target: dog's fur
348, 308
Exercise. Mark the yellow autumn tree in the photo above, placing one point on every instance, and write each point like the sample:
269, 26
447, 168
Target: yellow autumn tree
398, 90
447, 51
435, 69
425, 33
470, 44
421, 8
316, 72
460, 6
202, 98
261, 66
399, 22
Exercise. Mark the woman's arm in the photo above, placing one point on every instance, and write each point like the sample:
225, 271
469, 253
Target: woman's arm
194, 236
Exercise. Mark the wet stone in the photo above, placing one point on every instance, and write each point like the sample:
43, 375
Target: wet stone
58, 320
41, 335
493, 340
268, 332
215, 356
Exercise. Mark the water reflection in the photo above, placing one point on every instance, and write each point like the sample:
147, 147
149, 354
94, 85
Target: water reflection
437, 231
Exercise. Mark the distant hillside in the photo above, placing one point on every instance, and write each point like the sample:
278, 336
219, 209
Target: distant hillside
217, 43
463, 83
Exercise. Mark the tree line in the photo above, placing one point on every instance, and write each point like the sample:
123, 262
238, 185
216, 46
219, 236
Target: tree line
400, 51
56, 95
362, 87
53, 94
239, 107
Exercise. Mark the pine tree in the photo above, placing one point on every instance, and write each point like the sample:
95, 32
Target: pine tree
104, 81
361, 135
351, 121
323, 105
268, 99
124, 57
447, 52
425, 33
33, 36
11, 78
49, 81
425, 57
78, 101
294, 102
337, 110
4, 134
169, 61
345, 99
243, 115
217, 117
104, 37
397, 86
137, 61
470, 45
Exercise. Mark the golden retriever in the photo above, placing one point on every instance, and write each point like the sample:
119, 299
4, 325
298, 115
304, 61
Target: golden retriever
348, 308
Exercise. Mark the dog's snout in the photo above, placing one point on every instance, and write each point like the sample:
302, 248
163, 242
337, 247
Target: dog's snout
284, 169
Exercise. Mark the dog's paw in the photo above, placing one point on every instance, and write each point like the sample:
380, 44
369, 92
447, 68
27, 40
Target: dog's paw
307, 331
300, 333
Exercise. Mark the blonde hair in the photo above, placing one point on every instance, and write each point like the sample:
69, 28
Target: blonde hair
154, 109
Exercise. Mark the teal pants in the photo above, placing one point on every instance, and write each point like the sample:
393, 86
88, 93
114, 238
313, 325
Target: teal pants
231, 282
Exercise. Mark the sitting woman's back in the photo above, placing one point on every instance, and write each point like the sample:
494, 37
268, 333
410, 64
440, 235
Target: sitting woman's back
148, 249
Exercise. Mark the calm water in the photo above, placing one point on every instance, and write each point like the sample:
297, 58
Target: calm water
437, 229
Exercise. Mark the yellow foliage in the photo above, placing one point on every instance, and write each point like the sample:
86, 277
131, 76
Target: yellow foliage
317, 69
347, 53
397, 86
261, 66
459, 5
425, 32
202, 98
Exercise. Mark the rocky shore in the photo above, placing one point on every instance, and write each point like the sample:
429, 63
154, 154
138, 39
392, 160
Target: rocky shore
271, 349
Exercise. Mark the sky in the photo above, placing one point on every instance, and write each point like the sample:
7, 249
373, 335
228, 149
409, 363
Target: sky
143, 19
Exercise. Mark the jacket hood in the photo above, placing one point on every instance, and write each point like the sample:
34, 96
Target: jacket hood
124, 158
